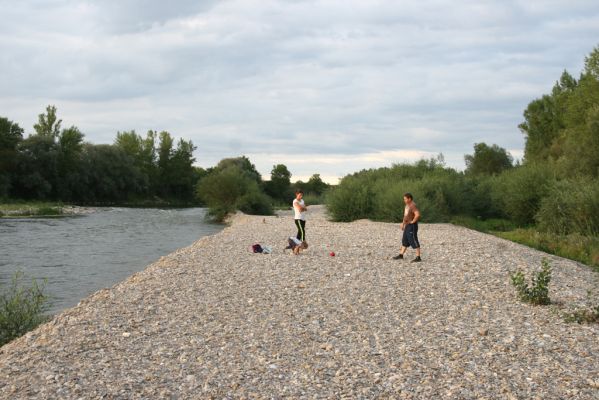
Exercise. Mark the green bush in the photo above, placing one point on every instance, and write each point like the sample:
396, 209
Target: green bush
378, 193
21, 308
571, 206
229, 189
352, 199
538, 292
518, 192
255, 202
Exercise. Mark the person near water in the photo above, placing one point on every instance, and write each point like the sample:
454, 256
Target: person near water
299, 210
409, 226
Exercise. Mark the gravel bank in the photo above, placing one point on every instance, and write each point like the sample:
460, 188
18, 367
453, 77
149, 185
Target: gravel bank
214, 321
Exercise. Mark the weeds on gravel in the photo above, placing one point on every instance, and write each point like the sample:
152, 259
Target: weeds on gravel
583, 316
538, 292
21, 308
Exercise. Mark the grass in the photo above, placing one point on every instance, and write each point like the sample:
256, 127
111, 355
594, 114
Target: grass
584, 249
30, 208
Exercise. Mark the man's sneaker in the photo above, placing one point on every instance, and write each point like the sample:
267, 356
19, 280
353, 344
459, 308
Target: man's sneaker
417, 259
398, 257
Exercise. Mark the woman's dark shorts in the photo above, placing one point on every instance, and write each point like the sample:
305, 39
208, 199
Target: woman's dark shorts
410, 236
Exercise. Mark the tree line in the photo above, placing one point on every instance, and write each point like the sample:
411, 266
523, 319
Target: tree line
57, 164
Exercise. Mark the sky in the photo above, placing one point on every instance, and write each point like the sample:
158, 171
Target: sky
328, 87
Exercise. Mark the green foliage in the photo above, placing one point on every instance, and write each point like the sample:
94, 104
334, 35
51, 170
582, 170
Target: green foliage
21, 308
563, 127
378, 194
11, 134
488, 160
570, 206
48, 124
538, 291
585, 315
352, 199
484, 225
243, 164
573, 246
227, 189
254, 202
518, 192
56, 164
279, 186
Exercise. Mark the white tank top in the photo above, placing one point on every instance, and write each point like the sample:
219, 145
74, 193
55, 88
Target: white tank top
297, 213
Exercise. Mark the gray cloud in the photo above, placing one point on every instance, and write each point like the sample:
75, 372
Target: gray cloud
326, 80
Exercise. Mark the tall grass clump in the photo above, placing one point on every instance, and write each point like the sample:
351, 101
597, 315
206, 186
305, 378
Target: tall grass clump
21, 308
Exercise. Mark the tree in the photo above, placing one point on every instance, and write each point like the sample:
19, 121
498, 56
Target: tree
591, 63
279, 186
488, 160
11, 134
244, 164
316, 185
48, 124
70, 146
182, 174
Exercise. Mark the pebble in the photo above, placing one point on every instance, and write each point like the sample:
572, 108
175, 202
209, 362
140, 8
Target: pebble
213, 320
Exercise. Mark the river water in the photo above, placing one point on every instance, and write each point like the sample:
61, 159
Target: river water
81, 254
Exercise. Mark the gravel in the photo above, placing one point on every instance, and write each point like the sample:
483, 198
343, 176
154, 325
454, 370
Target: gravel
213, 320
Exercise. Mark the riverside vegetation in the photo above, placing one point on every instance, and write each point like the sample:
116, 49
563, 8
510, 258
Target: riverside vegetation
549, 201
22, 308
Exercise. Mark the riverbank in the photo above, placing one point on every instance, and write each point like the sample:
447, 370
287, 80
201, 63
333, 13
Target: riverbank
41, 209
214, 320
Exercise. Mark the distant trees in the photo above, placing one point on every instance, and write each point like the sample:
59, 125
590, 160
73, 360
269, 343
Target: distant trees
488, 160
55, 163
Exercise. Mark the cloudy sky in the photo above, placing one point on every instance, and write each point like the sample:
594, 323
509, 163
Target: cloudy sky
326, 87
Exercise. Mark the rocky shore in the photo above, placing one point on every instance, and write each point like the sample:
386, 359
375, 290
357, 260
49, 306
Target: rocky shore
213, 320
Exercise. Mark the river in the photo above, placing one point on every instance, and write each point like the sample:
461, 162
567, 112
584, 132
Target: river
79, 255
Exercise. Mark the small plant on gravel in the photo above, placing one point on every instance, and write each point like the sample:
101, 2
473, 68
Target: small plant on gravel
583, 316
21, 308
538, 292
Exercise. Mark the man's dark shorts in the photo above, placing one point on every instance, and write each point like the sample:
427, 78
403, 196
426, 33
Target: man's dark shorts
410, 236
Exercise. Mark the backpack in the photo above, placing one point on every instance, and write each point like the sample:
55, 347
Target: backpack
256, 248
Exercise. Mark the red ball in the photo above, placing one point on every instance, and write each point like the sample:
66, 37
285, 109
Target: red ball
332, 254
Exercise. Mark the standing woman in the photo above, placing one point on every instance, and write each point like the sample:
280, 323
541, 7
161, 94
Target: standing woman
299, 209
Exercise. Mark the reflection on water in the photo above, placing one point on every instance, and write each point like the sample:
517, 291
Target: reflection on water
80, 255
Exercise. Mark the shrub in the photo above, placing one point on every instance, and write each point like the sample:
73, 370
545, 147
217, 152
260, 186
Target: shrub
350, 200
518, 192
538, 291
571, 206
583, 315
255, 202
21, 309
